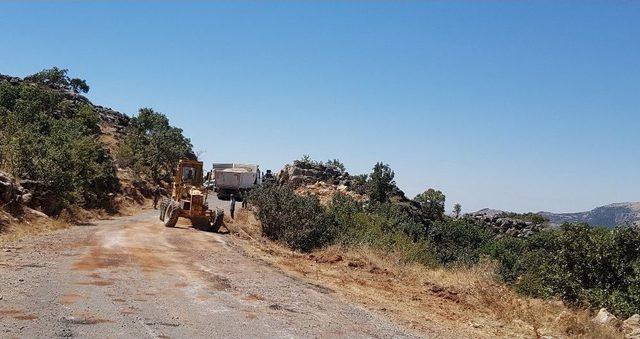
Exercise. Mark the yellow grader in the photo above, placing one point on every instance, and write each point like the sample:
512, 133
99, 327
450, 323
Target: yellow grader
188, 199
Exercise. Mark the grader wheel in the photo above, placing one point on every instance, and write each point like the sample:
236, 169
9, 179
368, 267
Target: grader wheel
163, 208
171, 215
216, 220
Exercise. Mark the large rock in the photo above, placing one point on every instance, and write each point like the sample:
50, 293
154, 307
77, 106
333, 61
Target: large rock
604, 317
301, 173
502, 225
10, 191
631, 327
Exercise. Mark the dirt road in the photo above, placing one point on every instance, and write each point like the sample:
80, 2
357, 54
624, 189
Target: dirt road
132, 277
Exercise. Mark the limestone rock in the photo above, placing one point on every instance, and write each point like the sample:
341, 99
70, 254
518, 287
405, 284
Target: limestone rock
604, 317
631, 327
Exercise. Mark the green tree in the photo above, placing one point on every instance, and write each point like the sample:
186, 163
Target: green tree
151, 146
51, 76
432, 203
380, 183
335, 163
457, 209
79, 85
58, 77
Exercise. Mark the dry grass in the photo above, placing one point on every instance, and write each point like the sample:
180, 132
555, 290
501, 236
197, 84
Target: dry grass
31, 223
449, 302
14, 229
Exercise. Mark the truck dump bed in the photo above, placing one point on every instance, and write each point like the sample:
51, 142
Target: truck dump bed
231, 178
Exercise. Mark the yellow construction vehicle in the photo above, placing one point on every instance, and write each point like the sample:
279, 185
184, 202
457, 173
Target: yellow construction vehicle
188, 199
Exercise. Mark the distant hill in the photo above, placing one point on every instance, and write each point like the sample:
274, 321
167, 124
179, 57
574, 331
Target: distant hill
626, 213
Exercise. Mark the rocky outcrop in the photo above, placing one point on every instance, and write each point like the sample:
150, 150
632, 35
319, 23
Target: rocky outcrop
15, 196
502, 225
301, 173
116, 120
11, 193
631, 327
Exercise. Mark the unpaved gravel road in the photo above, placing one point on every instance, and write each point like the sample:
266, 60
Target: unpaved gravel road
132, 277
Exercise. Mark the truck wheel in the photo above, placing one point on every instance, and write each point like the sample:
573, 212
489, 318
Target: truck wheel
171, 215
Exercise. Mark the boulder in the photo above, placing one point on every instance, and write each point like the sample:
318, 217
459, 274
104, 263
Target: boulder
631, 327
302, 173
10, 191
604, 317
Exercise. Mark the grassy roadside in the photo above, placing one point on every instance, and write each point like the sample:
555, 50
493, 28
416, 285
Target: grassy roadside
458, 301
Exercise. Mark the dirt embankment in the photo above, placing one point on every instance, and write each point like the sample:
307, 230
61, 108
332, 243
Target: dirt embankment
458, 302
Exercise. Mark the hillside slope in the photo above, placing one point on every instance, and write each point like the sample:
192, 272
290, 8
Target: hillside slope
617, 214
65, 153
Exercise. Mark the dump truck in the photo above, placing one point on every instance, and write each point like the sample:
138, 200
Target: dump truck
234, 178
188, 199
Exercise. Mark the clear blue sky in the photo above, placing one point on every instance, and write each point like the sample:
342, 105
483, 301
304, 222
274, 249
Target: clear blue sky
523, 106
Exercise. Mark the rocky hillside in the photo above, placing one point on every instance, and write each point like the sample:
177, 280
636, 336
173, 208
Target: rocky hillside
112, 123
617, 214
61, 151
626, 213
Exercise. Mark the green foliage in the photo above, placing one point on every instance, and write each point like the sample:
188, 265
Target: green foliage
62, 153
359, 184
457, 210
303, 224
58, 78
380, 183
458, 241
585, 266
581, 264
79, 85
151, 146
335, 163
298, 221
432, 203
307, 162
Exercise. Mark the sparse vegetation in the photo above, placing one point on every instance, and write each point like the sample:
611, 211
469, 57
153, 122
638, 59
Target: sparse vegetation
583, 266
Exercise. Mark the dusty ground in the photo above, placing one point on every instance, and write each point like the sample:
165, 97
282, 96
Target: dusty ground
132, 277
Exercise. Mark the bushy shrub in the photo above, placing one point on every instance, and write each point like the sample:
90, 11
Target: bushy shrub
457, 241
582, 265
298, 221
